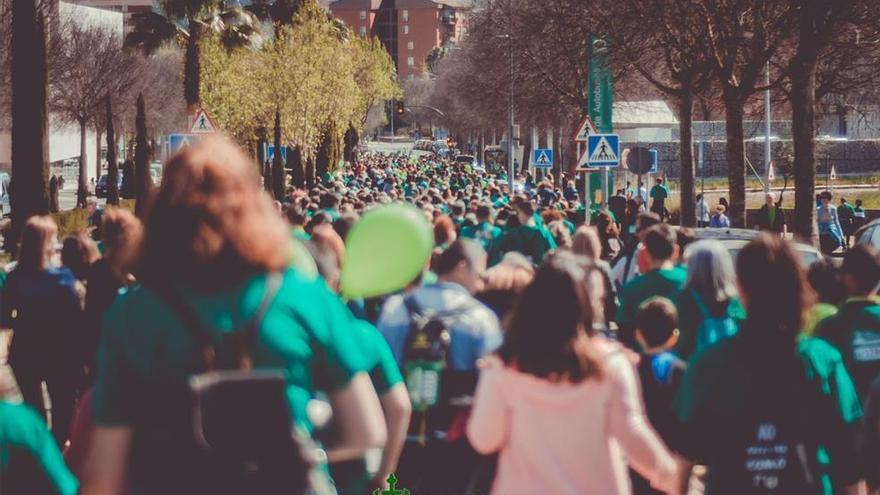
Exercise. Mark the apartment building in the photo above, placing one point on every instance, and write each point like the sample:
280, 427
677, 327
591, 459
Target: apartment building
409, 29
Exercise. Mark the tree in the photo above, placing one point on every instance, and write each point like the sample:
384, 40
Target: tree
277, 163
662, 41
190, 20
295, 164
743, 36
143, 180
818, 27
91, 67
29, 193
112, 162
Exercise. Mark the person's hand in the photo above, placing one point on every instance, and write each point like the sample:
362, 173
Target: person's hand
379, 482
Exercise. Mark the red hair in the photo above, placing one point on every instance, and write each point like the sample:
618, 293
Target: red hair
211, 225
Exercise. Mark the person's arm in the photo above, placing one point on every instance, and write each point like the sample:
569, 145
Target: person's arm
105, 467
358, 415
488, 426
629, 425
397, 408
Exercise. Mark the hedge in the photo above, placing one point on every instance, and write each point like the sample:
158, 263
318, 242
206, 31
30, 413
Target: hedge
77, 219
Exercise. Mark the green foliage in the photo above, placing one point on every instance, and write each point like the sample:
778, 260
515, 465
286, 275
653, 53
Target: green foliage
76, 220
314, 72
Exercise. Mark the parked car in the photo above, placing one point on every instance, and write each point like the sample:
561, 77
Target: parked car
870, 234
101, 186
734, 240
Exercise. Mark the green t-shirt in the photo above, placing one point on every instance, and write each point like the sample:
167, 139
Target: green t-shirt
533, 242
725, 383
658, 283
855, 332
383, 369
690, 318
23, 433
485, 233
306, 331
659, 192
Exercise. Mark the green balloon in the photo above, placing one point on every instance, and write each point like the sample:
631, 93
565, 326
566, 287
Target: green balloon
386, 250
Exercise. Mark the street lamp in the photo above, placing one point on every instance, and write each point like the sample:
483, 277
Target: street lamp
510, 167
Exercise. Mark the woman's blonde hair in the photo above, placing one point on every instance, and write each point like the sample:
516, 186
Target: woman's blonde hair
585, 242
211, 225
37, 243
514, 273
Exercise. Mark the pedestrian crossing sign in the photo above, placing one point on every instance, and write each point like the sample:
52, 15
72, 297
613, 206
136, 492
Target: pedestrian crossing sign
603, 150
179, 142
542, 158
203, 123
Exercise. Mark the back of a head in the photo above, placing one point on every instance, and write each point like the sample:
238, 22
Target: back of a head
773, 287
862, 267
710, 271
211, 225
647, 220
660, 241
546, 336
825, 279
34, 248
585, 242
122, 231
484, 212
514, 273
656, 321
344, 223
462, 250
78, 252
444, 230
297, 216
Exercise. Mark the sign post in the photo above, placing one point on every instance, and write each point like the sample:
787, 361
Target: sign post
600, 96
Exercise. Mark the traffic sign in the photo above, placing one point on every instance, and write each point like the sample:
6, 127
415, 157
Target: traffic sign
270, 153
543, 158
603, 150
586, 128
203, 123
583, 165
179, 142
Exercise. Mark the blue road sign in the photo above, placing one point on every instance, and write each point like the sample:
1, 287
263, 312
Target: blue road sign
177, 142
655, 161
603, 150
542, 158
270, 153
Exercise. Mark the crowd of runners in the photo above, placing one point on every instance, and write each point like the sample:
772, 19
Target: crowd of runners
410, 323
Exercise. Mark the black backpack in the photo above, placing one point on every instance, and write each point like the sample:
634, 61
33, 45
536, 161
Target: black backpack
432, 384
229, 430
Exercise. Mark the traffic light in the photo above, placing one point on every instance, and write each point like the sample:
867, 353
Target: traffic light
400, 109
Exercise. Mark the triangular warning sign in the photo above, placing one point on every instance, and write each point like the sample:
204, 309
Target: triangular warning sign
543, 159
583, 163
603, 152
203, 123
586, 128
833, 173
771, 174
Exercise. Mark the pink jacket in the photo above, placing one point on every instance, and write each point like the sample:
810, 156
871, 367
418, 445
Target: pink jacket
568, 438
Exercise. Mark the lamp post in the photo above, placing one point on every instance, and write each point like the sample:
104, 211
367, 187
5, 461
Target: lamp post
511, 173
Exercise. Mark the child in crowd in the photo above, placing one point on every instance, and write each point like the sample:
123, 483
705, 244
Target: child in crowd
659, 369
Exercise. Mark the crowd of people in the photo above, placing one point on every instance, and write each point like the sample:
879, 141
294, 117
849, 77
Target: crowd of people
216, 345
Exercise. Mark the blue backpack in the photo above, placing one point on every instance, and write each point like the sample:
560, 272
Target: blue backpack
713, 328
